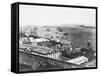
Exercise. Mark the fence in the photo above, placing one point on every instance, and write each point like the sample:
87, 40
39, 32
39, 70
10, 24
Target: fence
55, 55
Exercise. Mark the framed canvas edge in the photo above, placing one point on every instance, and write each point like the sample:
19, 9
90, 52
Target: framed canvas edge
14, 37
16, 20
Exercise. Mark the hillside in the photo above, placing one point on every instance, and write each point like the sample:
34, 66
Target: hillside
80, 35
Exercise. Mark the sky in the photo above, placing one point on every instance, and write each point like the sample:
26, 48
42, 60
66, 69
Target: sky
47, 15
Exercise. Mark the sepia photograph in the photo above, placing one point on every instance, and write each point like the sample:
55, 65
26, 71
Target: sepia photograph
56, 38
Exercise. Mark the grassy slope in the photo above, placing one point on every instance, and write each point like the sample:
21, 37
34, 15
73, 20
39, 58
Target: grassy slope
80, 35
